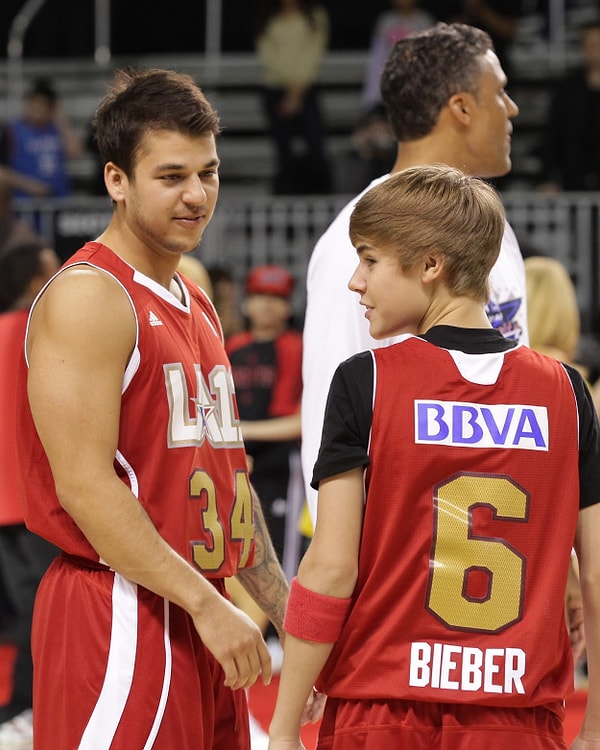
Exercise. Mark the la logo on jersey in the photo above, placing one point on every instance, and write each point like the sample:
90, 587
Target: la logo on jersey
214, 417
469, 425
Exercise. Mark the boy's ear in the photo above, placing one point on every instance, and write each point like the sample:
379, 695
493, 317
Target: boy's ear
433, 265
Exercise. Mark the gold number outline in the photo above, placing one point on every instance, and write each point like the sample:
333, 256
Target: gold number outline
241, 519
209, 558
447, 576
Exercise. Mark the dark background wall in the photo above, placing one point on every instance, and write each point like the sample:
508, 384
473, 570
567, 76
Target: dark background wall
65, 27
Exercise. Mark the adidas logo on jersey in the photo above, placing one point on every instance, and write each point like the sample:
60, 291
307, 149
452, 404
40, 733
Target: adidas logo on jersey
154, 319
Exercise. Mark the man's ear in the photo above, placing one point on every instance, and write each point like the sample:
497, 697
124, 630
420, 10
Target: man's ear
460, 106
115, 181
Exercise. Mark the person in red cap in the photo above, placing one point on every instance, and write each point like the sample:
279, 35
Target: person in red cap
266, 362
271, 280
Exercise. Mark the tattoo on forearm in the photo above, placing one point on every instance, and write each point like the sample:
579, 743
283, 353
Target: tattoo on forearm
265, 581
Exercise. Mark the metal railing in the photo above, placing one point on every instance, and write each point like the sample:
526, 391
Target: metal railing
246, 231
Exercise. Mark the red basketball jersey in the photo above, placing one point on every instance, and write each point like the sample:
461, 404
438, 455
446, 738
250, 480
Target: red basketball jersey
472, 500
180, 447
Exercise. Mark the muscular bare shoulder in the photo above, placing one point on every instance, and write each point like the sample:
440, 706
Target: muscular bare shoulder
84, 310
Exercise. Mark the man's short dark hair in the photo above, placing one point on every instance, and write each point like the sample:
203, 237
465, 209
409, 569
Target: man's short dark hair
424, 70
139, 102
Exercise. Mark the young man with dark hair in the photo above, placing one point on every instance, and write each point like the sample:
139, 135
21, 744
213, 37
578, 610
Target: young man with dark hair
134, 461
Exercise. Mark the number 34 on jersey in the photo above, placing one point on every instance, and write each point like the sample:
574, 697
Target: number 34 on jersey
214, 419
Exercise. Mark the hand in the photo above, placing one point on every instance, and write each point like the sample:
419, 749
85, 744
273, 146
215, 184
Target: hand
315, 705
236, 643
576, 634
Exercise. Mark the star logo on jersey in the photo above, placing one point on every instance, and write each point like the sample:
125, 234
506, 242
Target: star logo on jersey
503, 318
204, 412
212, 417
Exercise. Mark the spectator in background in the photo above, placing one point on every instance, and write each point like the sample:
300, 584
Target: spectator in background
291, 39
25, 267
266, 362
37, 146
554, 318
552, 310
571, 146
373, 139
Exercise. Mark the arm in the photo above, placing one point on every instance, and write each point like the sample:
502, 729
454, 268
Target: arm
285, 398
586, 545
329, 567
10, 178
272, 430
265, 580
81, 337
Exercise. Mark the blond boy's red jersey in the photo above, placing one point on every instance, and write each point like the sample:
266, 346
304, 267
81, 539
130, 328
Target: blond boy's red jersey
472, 500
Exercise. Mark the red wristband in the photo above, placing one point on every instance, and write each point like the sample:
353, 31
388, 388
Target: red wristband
314, 617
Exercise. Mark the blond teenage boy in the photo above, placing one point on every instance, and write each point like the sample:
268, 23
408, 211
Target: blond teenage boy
429, 607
